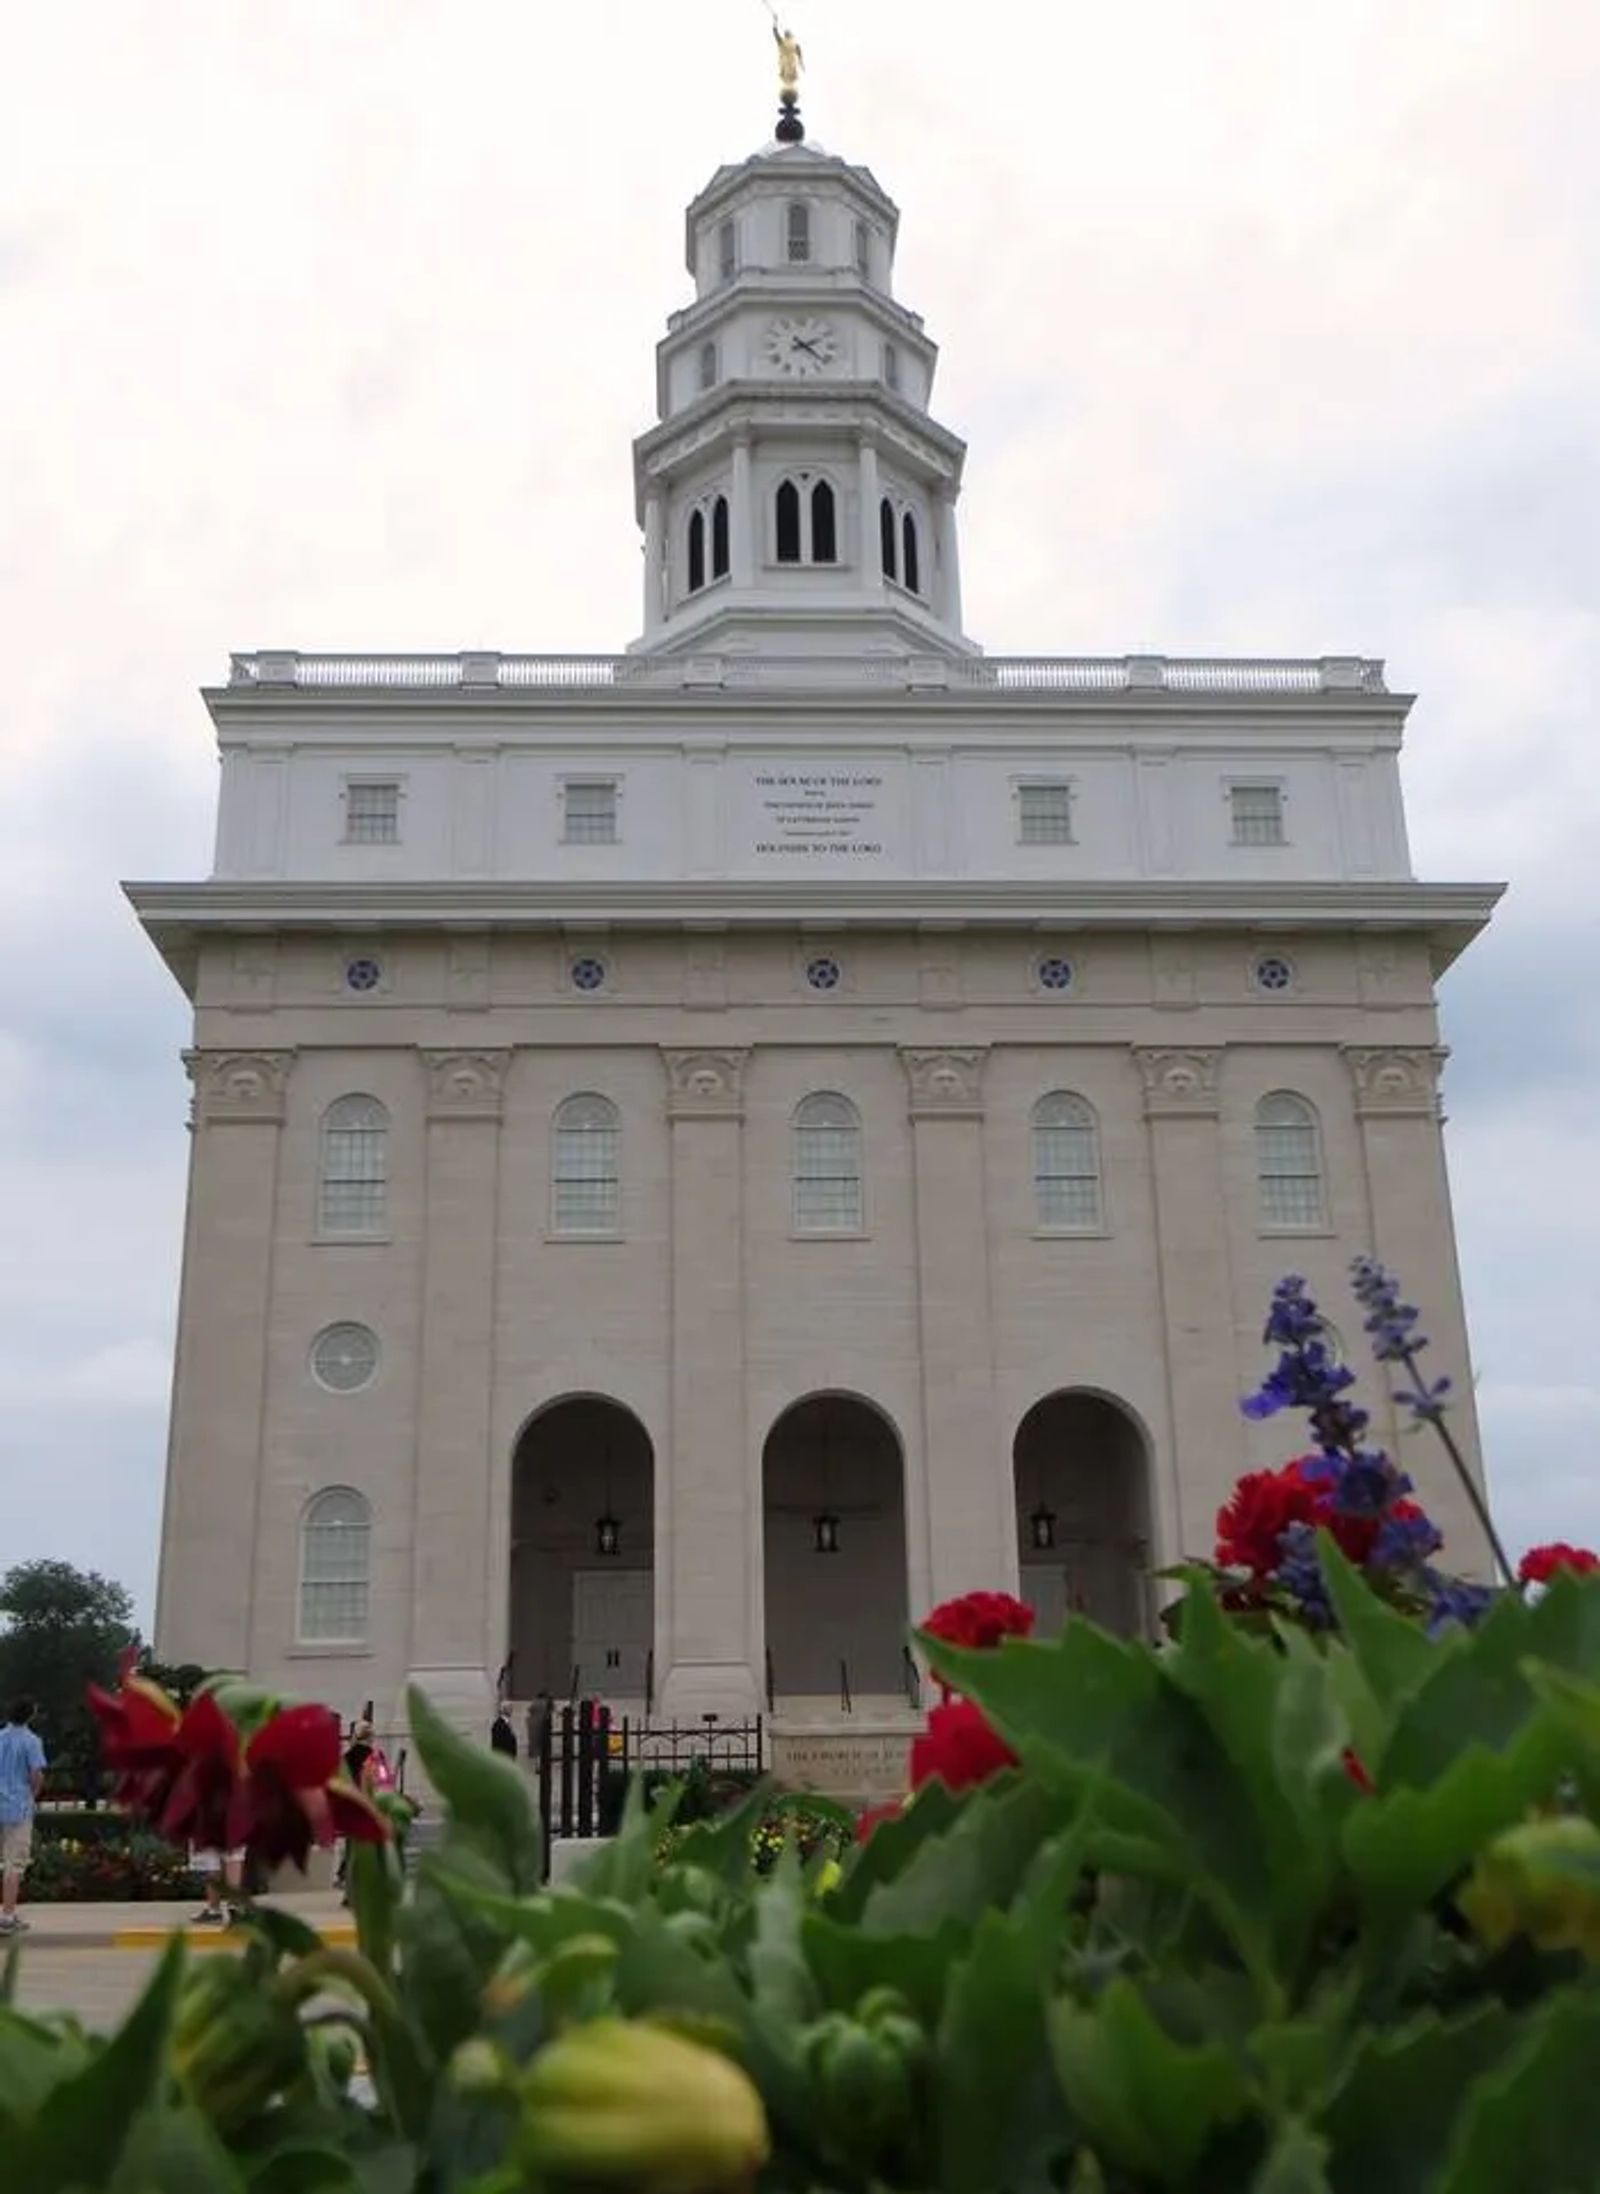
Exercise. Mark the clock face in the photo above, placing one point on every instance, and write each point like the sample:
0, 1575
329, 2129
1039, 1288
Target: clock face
801, 347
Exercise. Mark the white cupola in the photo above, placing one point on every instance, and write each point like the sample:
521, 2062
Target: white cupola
797, 496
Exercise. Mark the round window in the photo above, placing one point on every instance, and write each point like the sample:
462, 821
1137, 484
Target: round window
823, 973
1054, 973
1274, 972
362, 974
345, 1358
588, 973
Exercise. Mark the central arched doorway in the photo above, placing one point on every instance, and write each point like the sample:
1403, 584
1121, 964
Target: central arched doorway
834, 1539
583, 1555
1082, 1480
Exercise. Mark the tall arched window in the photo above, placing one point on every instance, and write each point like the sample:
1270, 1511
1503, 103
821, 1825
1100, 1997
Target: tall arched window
1066, 1163
827, 1165
863, 251
824, 532
799, 232
911, 566
1289, 1162
708, 365
788, 517
719, 538
727, 250
697, 551
335, 1568
353, 1183
889, 539
586, 1176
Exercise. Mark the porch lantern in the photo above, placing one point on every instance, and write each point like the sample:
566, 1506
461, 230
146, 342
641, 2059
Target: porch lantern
825, 1532
607, 1535
1042, 1523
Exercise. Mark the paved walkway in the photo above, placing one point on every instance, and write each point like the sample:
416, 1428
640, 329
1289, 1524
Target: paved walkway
147, 1926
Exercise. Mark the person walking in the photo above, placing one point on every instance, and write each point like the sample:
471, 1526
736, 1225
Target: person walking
22, 1765
502, 1737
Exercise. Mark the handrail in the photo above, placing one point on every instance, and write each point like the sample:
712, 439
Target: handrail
846, 1703
649, 1682
282, 669
912, 1677
771, 1692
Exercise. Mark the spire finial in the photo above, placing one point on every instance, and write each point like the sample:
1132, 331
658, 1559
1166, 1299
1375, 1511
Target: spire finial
791, 61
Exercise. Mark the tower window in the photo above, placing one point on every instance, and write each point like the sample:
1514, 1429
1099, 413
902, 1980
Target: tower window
697, 550
888, 537
891, 366
1044, 814
788, 516
585, 1174
372, 813
1257, 814
911, 564
708, 366
353, 1178
1289, 1163
799, 233
589, 813
727, 250
827, 1165
335, 1568
719, 538
1066, 1164
824, 539
863, 251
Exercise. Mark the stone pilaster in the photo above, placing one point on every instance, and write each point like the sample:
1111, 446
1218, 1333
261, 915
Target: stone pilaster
705, 1628
455, 1602
1181, 1109
966, 1466
208, 1554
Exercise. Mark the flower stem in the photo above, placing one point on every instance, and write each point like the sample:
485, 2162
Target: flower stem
1463, 1470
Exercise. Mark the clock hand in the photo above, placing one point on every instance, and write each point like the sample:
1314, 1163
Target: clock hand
799, 342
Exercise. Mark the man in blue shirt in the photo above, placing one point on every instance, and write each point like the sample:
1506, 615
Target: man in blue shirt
21, 1780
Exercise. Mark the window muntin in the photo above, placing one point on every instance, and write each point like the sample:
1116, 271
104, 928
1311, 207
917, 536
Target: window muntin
708, 366
1044, 814
1256, 812
353, 1179
335, 1569
797, 232
589, 812
827, 1166
1066, 1164
727, 250
344, 1357
586, 1193
372, 812
1289, 1163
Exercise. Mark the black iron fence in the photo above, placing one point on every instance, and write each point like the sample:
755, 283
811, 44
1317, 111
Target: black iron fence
584, 1758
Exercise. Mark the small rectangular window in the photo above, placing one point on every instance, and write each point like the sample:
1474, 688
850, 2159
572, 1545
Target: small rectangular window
708, 366
1044, 815
727, 251
863, 251
590, 814
1257, 812
372, 814
799, 232
891, 366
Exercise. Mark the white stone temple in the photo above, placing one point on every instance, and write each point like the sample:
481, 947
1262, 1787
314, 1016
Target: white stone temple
702, 1152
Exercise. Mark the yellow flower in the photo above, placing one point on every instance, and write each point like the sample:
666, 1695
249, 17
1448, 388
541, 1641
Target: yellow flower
623, 2103
1541, 1880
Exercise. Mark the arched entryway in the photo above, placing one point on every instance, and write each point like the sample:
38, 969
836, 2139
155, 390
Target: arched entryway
1082, 1471
582, 1554
834, 1537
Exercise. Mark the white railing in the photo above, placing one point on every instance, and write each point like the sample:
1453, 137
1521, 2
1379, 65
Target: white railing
1009, 674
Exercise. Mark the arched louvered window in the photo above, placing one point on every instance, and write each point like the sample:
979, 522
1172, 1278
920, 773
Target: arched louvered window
799, 232
787, 512
911, 566
1289, 1162
335, 1569
719, 538
586, 1197
863, 251
353, 1180
697, 551
889, 539
891, 366
827, 1165
1066, 1163
727, 250
708, 366
824, 531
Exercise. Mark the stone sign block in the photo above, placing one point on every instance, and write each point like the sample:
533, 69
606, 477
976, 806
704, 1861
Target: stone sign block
843, 1763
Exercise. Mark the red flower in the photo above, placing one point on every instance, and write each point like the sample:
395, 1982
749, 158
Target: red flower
1351, 1762
1258, 1512
979, 1619
138, 1731
290, 1797
1540, 1563
200, 1798
874, 1817
959, 1747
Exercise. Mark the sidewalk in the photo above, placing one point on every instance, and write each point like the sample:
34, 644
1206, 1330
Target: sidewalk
147, 1926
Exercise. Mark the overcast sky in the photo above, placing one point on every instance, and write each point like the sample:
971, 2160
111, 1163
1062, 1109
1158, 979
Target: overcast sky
1273, 328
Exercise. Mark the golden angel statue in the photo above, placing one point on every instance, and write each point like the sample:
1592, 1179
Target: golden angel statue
791, 60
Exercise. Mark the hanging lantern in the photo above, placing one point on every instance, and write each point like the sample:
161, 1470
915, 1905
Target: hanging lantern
607, 1535
825, 1532
1043, 1525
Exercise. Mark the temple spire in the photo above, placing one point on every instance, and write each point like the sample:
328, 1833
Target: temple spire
791, 61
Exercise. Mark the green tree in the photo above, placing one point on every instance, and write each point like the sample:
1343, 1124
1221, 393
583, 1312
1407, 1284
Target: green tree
64, 1628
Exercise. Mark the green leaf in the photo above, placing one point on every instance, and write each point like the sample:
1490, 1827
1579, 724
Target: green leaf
1530, 2121
1296, 2164
34, 2059
1394, 1654
1475, 1693
998, 2109
623, 1866
444, 1964
978, 1862
1406, 1845
283, 1931
889, 1849
176, 2152
722, 1847
1391, 2116
80, 2132
848, 1962
489, 1800
781, 1980
306, 2171
1564, 1628
1151, 2104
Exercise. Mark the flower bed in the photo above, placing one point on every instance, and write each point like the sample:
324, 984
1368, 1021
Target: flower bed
131, 1867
